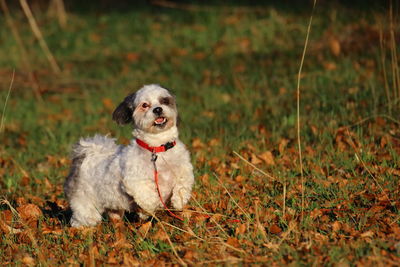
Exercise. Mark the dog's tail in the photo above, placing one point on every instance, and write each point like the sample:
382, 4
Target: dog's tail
100, 145
86, 147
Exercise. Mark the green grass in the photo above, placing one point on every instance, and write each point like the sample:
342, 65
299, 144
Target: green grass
233, 70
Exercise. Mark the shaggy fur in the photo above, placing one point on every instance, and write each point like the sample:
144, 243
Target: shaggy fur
109, 177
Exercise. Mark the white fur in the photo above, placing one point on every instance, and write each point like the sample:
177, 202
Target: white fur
106, 176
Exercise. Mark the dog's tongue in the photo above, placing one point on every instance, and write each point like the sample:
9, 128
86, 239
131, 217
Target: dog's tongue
159, 120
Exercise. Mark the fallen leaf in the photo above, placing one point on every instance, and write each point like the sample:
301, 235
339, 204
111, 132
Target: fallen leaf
108, 104
144, 229
367, 234
240, 178
190, 255
28, 260
132, 56
29, 212
255, 160
233, 242
282, 145
241, 229
329, 65
336, 226
267, 157
275, 229
271, 245
130, 261
160, 235
197, 143
52, 231
111, 258
334, 46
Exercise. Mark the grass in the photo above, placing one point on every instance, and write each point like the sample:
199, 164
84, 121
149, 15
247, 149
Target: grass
234, 71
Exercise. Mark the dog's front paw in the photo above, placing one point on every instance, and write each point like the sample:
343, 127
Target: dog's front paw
179, 198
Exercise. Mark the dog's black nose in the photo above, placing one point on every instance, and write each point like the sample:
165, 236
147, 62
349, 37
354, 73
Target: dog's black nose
157, 111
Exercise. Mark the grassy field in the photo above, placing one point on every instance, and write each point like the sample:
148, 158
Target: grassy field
233, 68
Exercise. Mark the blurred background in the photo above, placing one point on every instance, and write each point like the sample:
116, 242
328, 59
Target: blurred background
233, 65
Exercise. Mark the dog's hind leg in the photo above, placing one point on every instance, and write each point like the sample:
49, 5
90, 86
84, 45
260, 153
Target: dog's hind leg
84, 211
115, 215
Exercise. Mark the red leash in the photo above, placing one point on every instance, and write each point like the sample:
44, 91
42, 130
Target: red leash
154, 151
154, 156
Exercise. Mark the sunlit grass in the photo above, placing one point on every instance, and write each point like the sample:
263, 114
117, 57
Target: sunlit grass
234, 75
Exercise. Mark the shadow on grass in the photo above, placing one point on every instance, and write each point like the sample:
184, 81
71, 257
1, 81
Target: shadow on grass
52, 210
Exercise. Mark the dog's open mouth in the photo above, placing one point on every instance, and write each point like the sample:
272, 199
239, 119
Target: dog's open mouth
160, 121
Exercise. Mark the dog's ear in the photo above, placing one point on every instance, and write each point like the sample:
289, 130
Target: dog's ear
123, 113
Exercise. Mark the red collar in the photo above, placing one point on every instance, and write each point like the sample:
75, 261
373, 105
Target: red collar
156, 149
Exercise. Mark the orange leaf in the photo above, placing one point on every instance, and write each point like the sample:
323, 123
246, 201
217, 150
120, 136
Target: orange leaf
28, 260
29, 212
190, 255
160, 235
336, 226
241, 229
132, 56
129, 260
334, 46
282, 145
267, 157
197, 143
255, 160
233, 242
108, 104
275, 229
367, 234
144, 229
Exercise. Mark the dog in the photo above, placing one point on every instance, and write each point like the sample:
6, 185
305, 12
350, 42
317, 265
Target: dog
106, 177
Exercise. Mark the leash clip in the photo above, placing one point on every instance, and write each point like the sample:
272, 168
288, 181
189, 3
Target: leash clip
154, 157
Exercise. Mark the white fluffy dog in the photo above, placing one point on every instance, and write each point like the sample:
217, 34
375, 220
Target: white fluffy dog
114, 178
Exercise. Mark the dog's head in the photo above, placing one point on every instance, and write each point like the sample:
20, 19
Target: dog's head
152, 109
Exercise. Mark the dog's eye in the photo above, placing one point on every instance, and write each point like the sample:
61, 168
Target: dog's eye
145, 105
165, 101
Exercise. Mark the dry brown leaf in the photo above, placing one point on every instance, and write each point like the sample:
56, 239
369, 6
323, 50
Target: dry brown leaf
28, 260
376, 208
214, 142
267, 157
199, 55
25, 180
132, 56
334, 46
367, 234
271, 245
108, 104
190, 255
144, 228
234, 242
160, 235
216, 218
275, 229
329, 65
336, 226
205, 179
130, 261
282, 145
240, 178
111, 258
29, 212
52, 231
255, 160
241, 229
197, 143
342, 263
